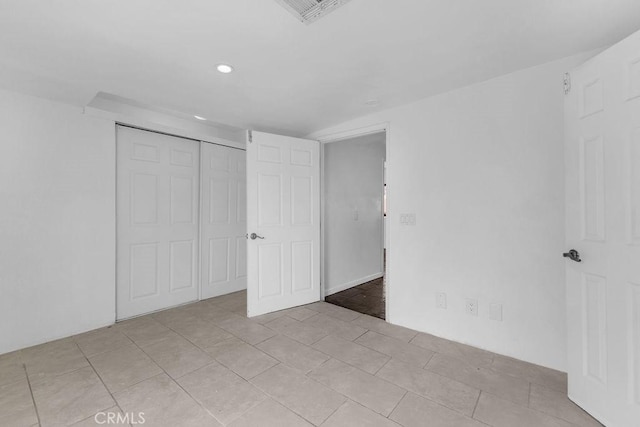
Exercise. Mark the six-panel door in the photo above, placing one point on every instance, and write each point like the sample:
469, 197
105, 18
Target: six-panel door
602, 127
157, 221
283, 210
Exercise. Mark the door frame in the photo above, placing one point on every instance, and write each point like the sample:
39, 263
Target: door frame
341, 136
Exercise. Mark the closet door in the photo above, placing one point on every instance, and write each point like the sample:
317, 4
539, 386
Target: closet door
157, 221
224, 225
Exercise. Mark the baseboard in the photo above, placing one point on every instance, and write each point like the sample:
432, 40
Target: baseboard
351, 284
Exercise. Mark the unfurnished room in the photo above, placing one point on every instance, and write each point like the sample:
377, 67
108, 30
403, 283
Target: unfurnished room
320, 213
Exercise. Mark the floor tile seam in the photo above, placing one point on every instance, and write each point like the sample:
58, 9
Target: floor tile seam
392, 356
291, 409
102, 410
243, 340
174, 380
183, 337
379, 332
528, 379
320, 367
477, 387
527, 407
37, 381
106, 351
337, 409
354, 366
95, 371
396, 405
33, 399
433, 373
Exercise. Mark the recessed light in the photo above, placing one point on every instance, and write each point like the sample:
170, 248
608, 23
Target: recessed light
199, 117
372, 102
225, 68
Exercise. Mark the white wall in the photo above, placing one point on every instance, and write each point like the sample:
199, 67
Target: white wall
57, 221
353, 228
482, 168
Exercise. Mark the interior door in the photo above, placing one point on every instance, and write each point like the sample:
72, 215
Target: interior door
157, 221
224, 220
283, 222
602, 130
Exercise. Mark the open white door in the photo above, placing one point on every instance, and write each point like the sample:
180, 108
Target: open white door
283, 222
602, 131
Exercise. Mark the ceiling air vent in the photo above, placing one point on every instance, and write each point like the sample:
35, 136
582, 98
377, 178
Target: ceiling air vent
309, 10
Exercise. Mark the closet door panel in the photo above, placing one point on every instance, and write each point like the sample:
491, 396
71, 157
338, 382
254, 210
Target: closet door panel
157, 221
223, 225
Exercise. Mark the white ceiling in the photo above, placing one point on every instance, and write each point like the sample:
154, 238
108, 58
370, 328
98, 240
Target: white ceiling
290, 77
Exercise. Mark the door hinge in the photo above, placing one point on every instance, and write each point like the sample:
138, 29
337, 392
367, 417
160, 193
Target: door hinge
567, 83
250, 135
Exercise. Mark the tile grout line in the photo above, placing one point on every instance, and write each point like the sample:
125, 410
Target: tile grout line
214, 360
33, 399
100, 377
430, 359
397, 404
102, 381
337, 409
476, 405
196, 401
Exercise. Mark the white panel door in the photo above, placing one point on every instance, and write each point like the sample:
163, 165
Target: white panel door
157, 221
224, 220
283, 199
602, 130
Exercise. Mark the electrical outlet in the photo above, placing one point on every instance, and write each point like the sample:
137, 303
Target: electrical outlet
441, 300
495, 312
471, 307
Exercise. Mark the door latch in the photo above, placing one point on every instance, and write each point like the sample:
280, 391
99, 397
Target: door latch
573, 255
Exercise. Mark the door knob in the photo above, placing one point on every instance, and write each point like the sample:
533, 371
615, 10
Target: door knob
254, 236
573, 255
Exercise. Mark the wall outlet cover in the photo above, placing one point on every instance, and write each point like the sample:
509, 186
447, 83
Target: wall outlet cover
471, 306
495, 312
441, 300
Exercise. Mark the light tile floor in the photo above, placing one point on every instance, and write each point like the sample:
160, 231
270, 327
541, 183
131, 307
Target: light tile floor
206, 364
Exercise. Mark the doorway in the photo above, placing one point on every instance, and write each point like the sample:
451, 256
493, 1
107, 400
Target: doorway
354, 181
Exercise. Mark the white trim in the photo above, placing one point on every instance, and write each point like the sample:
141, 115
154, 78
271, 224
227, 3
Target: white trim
353, 283
200, 178
353, 133
323, 287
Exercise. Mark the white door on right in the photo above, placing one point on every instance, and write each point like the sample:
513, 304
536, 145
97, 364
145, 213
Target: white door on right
602, 155
283, 222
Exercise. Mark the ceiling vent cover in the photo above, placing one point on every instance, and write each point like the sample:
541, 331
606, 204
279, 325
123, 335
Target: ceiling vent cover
309, 10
